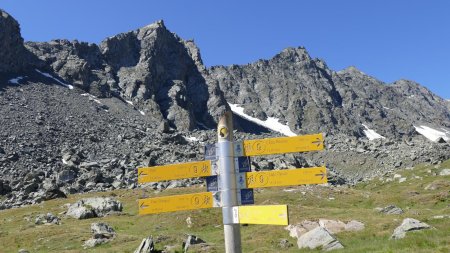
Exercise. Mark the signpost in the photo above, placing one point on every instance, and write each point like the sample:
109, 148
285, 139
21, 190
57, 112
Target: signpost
230, 181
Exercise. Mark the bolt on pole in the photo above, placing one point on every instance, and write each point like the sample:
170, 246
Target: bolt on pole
232, 232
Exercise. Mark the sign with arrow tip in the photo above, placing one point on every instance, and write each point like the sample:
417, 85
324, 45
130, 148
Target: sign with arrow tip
179, 202
272, 146
259, 179
174, 171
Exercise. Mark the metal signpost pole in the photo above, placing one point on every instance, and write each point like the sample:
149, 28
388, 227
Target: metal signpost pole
228, 184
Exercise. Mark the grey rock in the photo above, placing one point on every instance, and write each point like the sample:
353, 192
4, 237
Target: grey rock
444, 172
191, 240
53, 193
13, 56
146, 246
4, 187
318, 237
23, 251
164, 127
29, 188
93, 207
354, 226
89, 165
101, 233
66, 175
48, 218
285, 244
408, 225
102, 230
117, 184
299, 229
332, 226
391, 209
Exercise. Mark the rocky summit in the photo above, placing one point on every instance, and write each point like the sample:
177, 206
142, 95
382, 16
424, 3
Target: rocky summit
80, 117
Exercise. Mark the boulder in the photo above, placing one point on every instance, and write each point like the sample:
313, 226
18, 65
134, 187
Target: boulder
318, 237
93, 207
53, 193
299, 229
101, 233
4, 187
332, 226
146, 246
354, 225
408, 225
391, 209
191, 240
46, 219
444, 172
66, 176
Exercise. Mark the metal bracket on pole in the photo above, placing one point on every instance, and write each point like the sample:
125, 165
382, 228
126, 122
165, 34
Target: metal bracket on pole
228, 183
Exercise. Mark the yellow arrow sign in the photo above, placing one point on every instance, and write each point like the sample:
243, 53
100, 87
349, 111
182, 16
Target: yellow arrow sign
174, 171
177, 203
283, 145
259, 179
270, 215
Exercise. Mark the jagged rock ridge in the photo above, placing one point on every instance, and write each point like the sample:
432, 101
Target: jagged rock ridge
151, 67
310, 97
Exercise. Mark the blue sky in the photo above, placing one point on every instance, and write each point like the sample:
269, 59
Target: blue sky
389, 40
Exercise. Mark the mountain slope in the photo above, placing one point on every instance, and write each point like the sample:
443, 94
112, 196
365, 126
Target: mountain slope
310, 97
81, 117
152, 67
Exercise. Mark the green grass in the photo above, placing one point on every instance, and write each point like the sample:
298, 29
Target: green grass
17, 229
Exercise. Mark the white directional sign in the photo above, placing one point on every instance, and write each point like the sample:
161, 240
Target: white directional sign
269, 215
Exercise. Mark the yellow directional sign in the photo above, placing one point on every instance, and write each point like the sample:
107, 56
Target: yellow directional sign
270, 215
174, 171
283, 145
317, 175
176, 203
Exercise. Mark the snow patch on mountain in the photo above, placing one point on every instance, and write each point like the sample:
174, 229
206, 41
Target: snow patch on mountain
92, 97
270, 123
371, 134
54, 78
433, 134
16, 80
191, 138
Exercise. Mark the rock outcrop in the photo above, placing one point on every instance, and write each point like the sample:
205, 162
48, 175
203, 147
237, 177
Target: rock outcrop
13, 55
309, 97
319, 237
101, 233
408, 225
93, 207
154, 69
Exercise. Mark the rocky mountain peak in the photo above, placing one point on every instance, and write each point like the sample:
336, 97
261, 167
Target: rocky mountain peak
155, 25
351, 70
293, 54
162, 74
12, 51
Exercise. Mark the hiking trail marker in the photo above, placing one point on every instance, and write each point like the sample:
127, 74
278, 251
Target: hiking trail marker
230, 181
